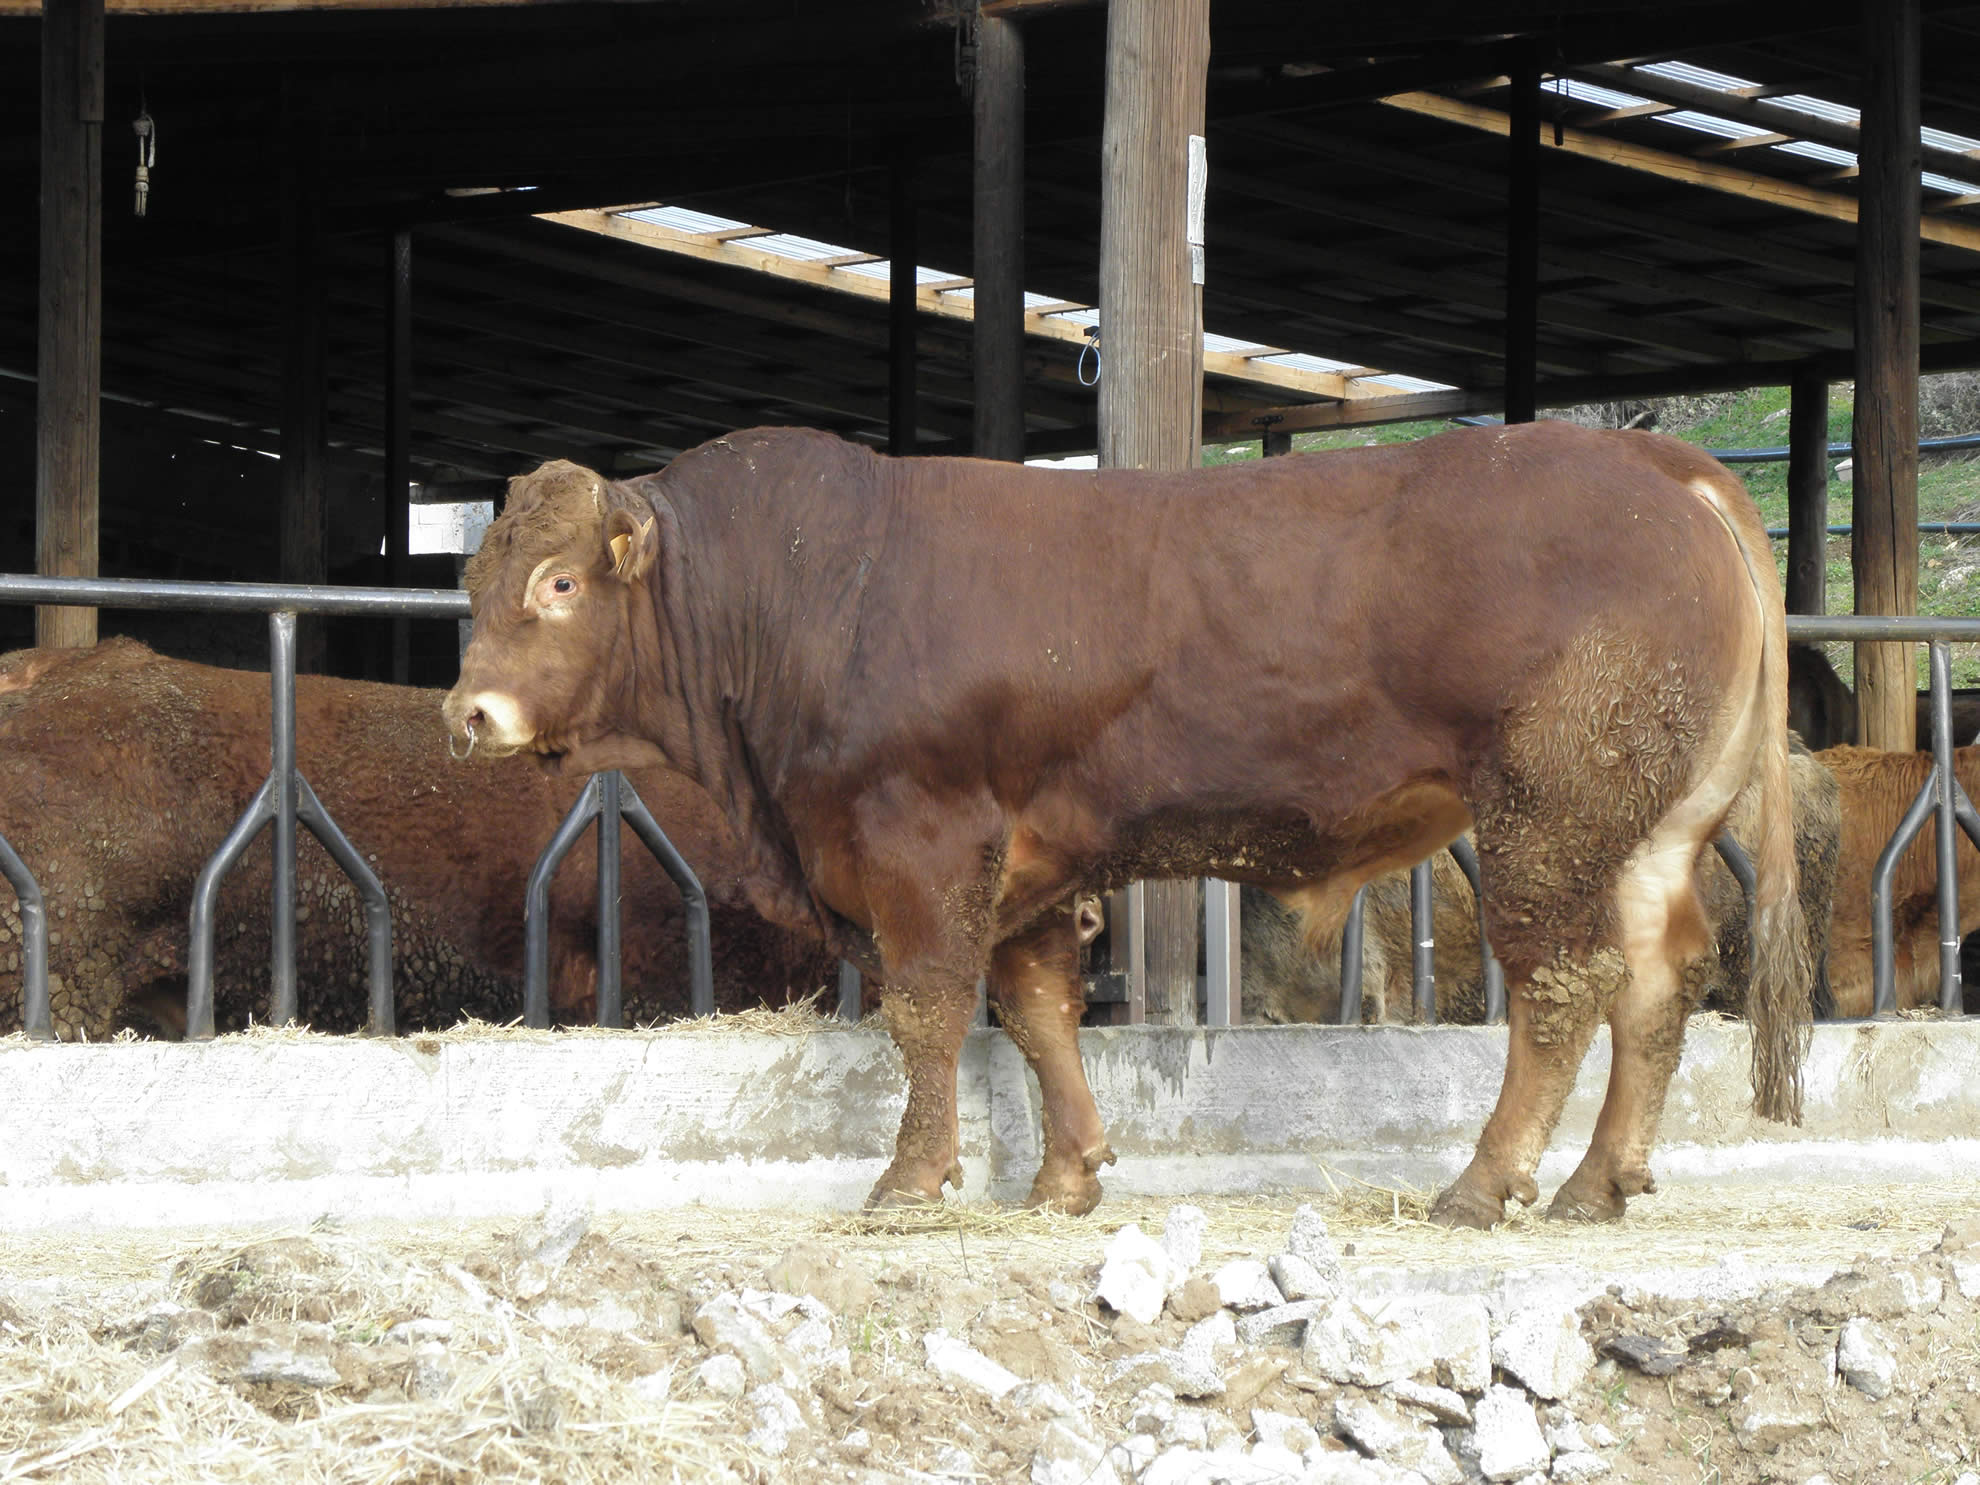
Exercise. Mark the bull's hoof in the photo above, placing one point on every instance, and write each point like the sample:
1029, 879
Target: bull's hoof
897, 1188
1465, 1206
1585, 1207
1071, 1188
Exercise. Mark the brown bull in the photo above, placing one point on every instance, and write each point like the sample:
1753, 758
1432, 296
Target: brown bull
122, 770
1877, 788
1289, 978
933, 720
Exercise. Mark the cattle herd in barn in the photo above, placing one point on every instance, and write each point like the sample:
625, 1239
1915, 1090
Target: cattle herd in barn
877, 737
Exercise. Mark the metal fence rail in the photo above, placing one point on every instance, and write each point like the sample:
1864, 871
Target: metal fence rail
286, 798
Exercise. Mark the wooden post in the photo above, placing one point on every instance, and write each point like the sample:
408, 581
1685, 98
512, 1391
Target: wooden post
305, 388
1884, 485
1523, 243
1808, 493
902, 399
998, 97
68, 429
1272, 445
1151, 330
398, 436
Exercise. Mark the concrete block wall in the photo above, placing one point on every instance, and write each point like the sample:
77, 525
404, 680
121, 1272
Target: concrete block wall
281, 1129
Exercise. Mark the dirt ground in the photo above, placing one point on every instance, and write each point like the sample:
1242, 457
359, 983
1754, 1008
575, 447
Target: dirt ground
566, 1347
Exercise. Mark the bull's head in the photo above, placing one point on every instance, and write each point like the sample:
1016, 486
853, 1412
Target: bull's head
557, 590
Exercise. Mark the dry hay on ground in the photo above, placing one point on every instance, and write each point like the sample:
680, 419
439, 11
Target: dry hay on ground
564, 1349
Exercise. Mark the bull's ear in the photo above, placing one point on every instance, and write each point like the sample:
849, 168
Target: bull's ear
634, 545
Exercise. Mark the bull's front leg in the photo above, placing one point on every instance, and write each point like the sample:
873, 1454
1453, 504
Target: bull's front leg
1034, 980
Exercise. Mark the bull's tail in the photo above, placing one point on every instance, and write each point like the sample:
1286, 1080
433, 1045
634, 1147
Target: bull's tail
1783, 972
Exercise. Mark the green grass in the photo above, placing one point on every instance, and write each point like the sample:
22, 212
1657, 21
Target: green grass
1948, 489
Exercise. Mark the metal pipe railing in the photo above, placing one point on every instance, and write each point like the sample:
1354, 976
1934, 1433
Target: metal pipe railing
286, 798
607, 798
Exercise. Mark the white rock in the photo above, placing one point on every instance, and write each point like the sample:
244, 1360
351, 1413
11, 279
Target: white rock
723, 1324
411, 1332
951, 1359
1133, 1454
1405, 1336
1183, 1374
1344, 1467
432, 1372
1773, 1413
955, 1463
1042, 1399
608, 1314
777, 1418
1134, 1275
1309, 1239
1599, 1436
1283, 1430
1275, 1463
1394, 1439
1507, 1435
722, 1375
1565, 1436
1968, 1478
1543, 1348
1297, 1279
555, 1315
1067, 1456
1182, 1242
654, 1387
286, 1364
1282, 1325
857, 1443
1579, 1464
1153, 1410
1967, 1274
1178, 1465
1865, 1359
546, 1243
1065, 1296
1441, 1403
1245, 1284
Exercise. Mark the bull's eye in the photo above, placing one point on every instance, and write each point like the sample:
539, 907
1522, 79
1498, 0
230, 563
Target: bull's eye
563, 585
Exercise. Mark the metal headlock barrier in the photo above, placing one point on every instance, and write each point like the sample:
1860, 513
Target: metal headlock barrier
285, 799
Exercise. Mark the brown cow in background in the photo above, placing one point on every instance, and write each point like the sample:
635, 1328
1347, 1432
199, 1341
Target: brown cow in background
1877, 788
932, 721
122, 770
1288, 979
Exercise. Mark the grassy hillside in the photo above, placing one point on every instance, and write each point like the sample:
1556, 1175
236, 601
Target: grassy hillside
1948, 486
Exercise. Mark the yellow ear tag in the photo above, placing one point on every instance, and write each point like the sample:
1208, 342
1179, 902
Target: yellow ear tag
619, 545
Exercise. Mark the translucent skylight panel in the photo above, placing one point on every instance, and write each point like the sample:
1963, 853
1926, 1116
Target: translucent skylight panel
805, 249
681, 219
1808, 149
1077, 316
1697, 76
1229, 344
884, 269
1821, 108
1706, 123
1587, 92
1947, 184
1408, 383
1301, 361
1939, 139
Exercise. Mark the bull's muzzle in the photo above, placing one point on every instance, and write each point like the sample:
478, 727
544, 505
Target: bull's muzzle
490, 717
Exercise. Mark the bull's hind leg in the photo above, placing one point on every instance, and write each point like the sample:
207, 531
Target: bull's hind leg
1034, 980
1663, 934
1553, 1009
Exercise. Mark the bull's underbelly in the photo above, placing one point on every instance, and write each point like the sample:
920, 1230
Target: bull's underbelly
1279, 849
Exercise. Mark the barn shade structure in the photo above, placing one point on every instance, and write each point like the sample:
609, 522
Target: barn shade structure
389, 245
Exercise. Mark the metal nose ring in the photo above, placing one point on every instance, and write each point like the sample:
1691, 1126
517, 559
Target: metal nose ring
461, 757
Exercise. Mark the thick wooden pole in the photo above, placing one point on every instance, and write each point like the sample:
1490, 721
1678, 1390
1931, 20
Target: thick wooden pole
305, 389
1808, 493
1885, 482
398, 436
903, 403
70, 359
1151, 330
1523, 244
998, 94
